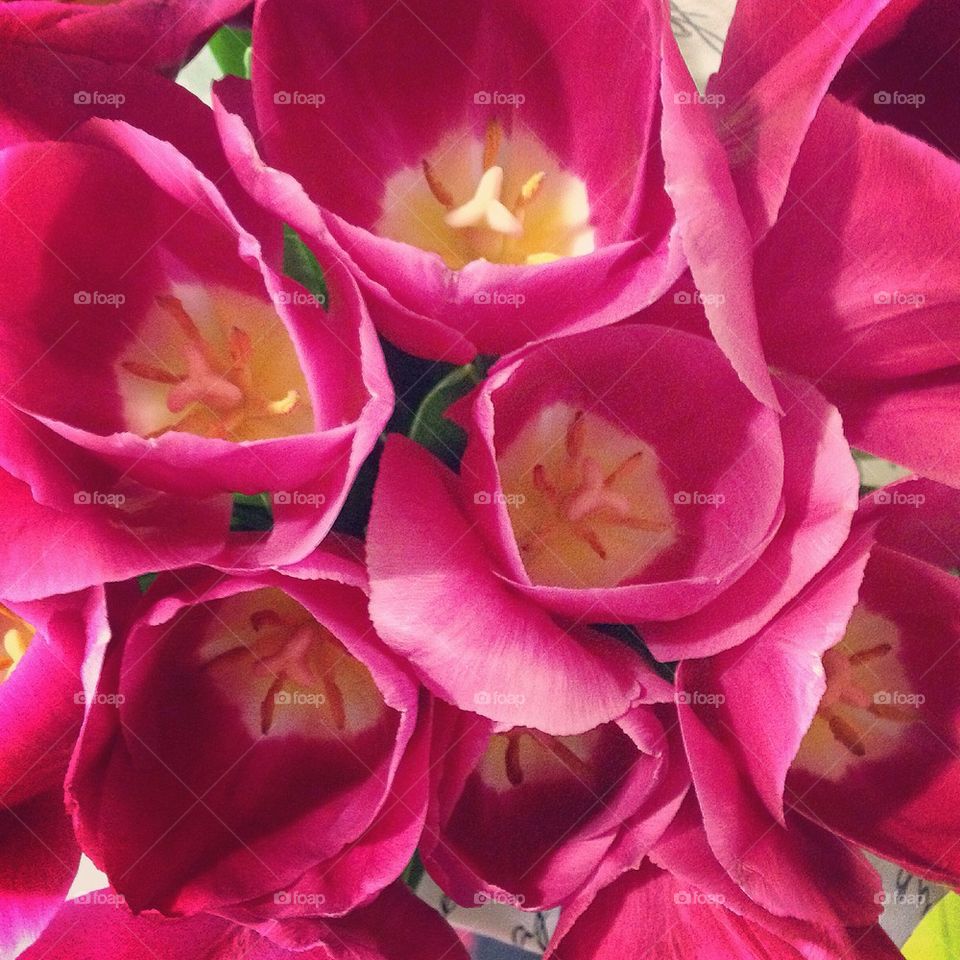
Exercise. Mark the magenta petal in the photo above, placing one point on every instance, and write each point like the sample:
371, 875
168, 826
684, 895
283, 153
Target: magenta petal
742, 737
715, 238
99, 924
820, 491
39, 857
472, 639
902, 799
137, 32
773, 80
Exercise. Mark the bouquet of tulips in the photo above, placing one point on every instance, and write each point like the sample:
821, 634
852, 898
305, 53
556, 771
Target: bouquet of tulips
438, 454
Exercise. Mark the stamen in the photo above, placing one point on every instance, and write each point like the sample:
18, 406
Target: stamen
174, 308
334, 700
146, 371
278, 408
563, 754
440, 192
593, 541
512, 760
269, 704
491, 144
529, 191
845, 734
865, 656
576, 434
624, 467
541, 482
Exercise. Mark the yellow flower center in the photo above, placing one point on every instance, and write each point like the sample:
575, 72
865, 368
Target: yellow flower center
17, 634
289, 673
227, 370
585, 500
505, 200
867, 702
523, 755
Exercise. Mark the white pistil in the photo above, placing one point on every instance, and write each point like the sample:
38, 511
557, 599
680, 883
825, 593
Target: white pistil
486, 208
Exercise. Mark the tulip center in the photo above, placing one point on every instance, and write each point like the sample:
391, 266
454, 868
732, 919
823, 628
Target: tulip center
867, 703
585, 500
289, 672
17, 634
235, 376
503, 199
526, 756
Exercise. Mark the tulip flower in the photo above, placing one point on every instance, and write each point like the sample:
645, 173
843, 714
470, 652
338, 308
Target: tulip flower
253, 749
531, 820
185, 370
678, 905
140, 33
841, 134
661, 494
42, 647
839, 716
486, 202
396, 926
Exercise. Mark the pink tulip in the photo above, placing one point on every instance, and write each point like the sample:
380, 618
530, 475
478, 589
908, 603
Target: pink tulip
653, 490
841, 130
42, 646
155, 364
839, 717
253, 749
485, 202
679, 904
531, 820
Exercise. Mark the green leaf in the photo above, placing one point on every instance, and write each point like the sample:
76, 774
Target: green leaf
231, 49
414, 872
937, 936
300, 264
251, 513
430, 428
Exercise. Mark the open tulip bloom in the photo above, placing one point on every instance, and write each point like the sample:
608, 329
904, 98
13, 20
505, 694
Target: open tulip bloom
444, 451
